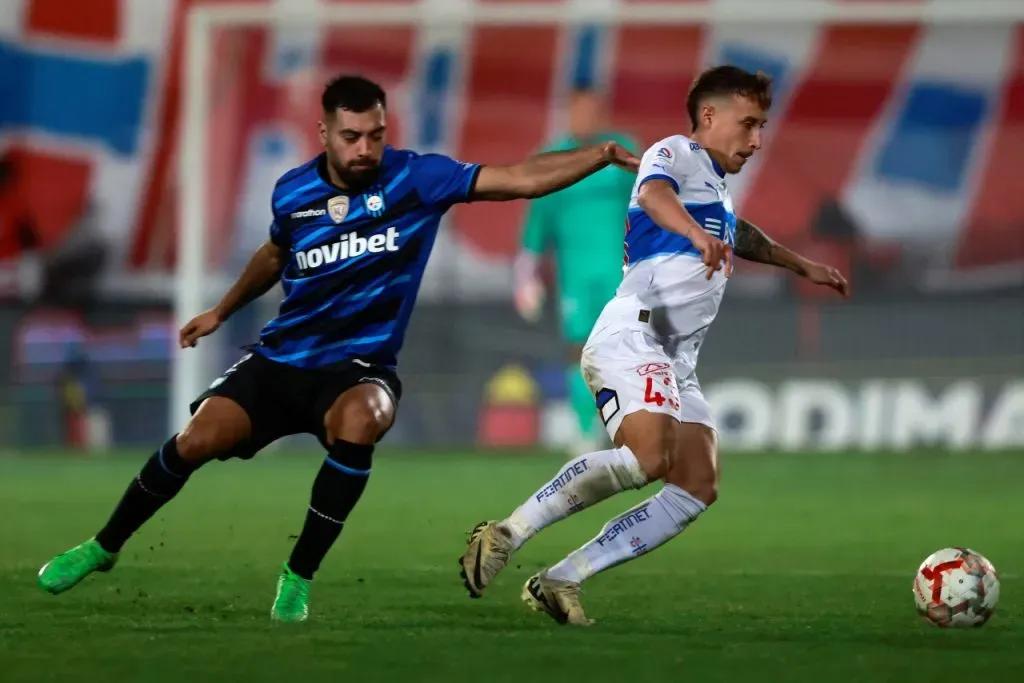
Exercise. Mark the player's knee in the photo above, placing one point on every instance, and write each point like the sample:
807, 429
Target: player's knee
654, 453
704, 489
198, 443
651, 438
358, 421
218, 425
362, 424
695, 463
654, 458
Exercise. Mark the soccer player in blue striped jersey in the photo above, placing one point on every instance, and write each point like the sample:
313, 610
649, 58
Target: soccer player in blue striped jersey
349, 240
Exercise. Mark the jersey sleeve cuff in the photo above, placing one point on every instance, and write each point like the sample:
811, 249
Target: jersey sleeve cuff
660, 176
471, 186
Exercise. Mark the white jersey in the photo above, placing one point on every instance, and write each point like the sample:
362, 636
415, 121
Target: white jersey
642, 352
664, 275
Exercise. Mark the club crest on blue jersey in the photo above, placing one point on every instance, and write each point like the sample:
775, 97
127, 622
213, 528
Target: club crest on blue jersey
337, 208
374, 203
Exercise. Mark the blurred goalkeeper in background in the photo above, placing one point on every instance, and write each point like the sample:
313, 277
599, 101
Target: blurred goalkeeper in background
583, 227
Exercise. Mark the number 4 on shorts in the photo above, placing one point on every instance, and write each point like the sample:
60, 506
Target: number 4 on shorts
651, 396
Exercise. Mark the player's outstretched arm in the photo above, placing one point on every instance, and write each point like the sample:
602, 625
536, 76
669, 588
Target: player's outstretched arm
659, 200
549, 172
262, 273
753, 244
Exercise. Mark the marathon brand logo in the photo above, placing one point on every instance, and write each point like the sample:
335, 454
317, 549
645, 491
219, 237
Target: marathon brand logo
308, 213
348, 246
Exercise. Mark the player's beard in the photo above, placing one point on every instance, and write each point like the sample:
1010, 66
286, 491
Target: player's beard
356, 178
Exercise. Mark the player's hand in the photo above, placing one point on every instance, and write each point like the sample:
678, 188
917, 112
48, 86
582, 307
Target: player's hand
820, 274
199, 326
529, 300
617, 155
716, 254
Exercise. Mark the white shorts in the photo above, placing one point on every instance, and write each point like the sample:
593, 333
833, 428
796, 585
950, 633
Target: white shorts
628, 371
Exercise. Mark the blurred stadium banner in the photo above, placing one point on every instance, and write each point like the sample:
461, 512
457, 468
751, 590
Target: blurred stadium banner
889, 414
520, 406
899, 136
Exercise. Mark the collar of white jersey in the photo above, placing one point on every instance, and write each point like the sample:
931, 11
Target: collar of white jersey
714, 164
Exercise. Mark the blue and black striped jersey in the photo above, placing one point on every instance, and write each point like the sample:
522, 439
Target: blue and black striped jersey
356, 258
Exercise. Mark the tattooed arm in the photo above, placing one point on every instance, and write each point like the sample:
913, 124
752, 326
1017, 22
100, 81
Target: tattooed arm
753, 245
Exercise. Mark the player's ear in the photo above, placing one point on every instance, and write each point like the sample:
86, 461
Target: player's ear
322, 127
707, 112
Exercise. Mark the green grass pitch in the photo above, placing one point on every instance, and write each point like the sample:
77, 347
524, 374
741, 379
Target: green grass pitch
801, 572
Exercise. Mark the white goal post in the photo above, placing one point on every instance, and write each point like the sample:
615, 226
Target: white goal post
191, 281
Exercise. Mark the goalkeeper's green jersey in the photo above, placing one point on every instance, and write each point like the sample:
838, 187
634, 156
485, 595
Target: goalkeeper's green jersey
583, 225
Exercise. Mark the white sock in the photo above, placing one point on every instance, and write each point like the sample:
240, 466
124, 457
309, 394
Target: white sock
580, 483
631, 534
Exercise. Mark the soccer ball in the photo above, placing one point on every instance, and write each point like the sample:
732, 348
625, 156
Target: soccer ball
956, 587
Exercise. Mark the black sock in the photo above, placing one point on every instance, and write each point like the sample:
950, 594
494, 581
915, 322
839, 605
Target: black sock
160, 479
336, 490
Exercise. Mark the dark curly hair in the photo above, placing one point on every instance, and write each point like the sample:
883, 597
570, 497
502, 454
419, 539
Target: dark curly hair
353, 93
728, 80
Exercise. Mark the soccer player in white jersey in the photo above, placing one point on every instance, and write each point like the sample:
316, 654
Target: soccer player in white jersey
641, 357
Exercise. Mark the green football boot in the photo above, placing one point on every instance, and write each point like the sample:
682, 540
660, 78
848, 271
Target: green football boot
292, 601
67, 569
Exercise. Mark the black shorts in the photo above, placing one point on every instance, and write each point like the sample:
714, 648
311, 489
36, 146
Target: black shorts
282, 400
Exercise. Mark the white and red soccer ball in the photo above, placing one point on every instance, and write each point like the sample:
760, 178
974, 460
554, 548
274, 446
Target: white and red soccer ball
956, 588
